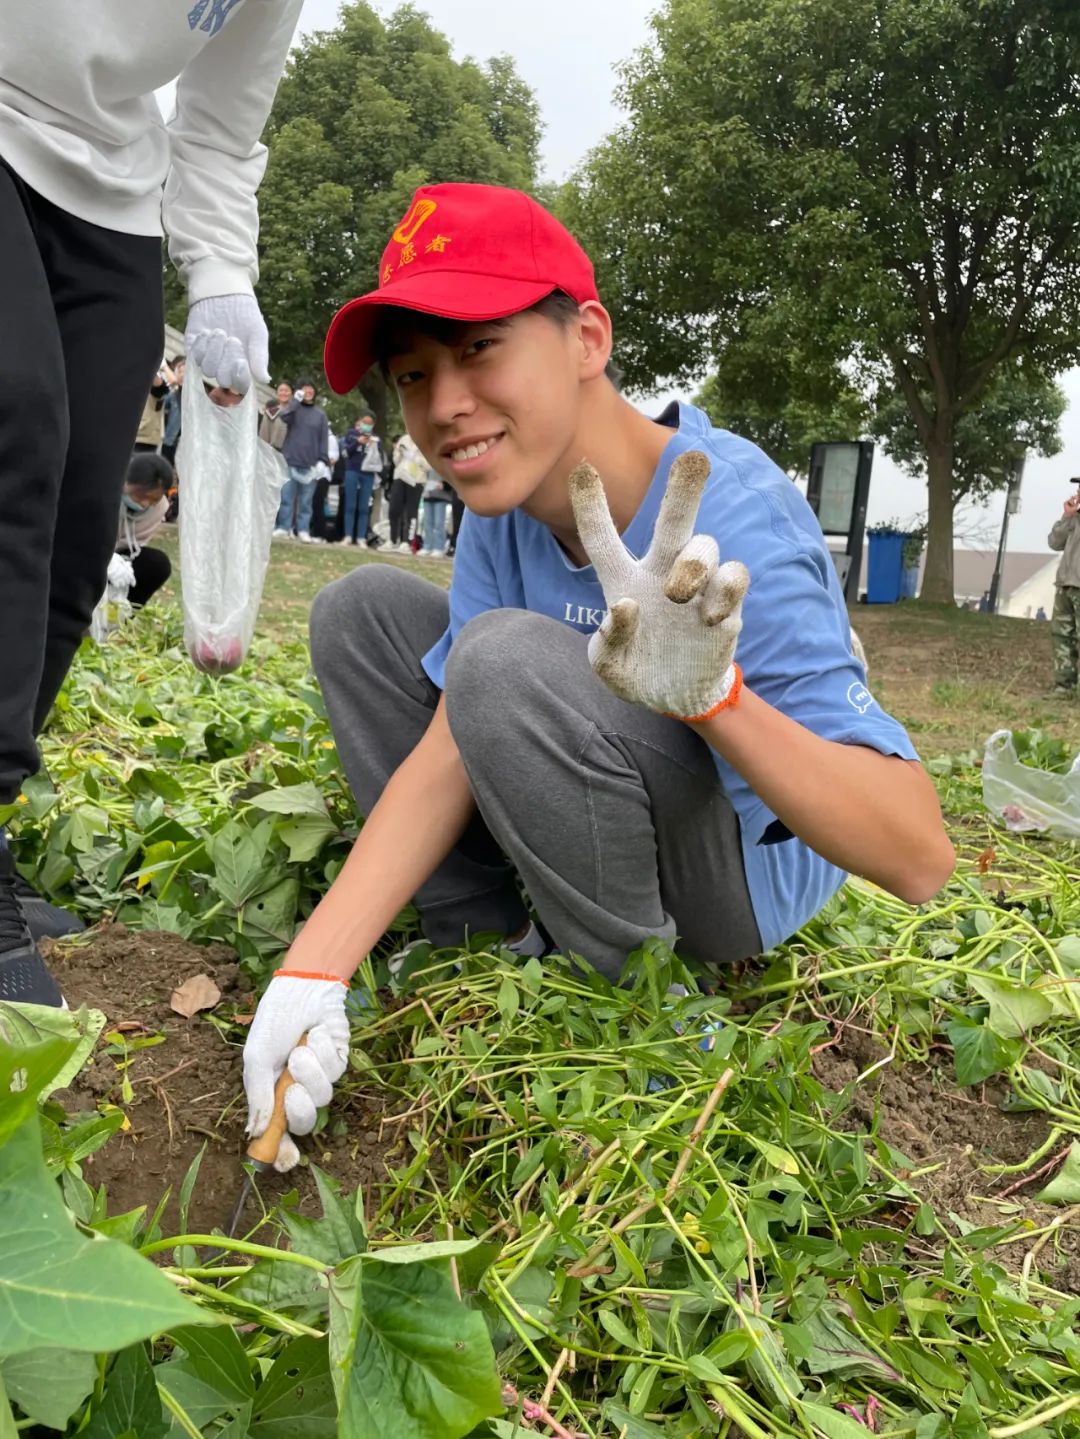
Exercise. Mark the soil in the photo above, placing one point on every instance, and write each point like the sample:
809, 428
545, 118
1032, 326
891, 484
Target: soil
187, 1089
950, 1132
188, 1093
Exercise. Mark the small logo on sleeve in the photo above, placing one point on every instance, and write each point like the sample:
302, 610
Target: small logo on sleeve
859, 697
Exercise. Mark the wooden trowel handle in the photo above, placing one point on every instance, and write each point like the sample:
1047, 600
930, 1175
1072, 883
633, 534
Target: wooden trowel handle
264, 1150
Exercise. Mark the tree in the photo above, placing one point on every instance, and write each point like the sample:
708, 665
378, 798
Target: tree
764, 389
896, 182
1020, 409
366, 112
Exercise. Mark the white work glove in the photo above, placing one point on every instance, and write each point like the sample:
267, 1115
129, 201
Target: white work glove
668, 641
121, 575
292, 1006
227, 338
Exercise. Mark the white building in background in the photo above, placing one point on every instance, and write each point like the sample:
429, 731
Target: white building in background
1037, 590
1027, 581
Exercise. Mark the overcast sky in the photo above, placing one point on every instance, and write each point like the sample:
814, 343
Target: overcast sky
566, 50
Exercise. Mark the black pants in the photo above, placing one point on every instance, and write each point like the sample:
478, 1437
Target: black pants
81, 334
324, 526
457, 510
404, 507
152, 568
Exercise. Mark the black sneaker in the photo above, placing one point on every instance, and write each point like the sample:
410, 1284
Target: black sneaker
23, 976
43, 920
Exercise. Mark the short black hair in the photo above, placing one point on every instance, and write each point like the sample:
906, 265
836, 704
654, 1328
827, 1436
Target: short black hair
558, 307
307, 380
148, 472
177, 360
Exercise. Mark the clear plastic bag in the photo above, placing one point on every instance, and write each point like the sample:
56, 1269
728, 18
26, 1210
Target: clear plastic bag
113, 607
1028, 800
230, 485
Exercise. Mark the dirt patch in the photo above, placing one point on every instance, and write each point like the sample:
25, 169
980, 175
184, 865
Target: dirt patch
187, 1089
950, 1132
953, 678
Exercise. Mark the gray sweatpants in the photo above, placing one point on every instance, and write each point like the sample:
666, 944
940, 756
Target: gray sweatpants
613, 816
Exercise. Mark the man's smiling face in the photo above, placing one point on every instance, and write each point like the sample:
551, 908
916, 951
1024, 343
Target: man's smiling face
493, 405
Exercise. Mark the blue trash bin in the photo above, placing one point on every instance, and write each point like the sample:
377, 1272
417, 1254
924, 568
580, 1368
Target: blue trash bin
885, 568
909, 582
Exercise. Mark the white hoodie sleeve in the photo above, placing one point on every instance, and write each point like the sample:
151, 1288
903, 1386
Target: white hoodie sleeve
223, 99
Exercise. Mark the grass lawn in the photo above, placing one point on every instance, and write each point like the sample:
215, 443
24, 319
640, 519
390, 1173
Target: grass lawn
838, 1195
296, 575
951, 676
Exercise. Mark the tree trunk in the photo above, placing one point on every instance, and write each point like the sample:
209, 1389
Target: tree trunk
937, 584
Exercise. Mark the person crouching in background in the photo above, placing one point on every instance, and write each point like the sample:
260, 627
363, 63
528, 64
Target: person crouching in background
142, 513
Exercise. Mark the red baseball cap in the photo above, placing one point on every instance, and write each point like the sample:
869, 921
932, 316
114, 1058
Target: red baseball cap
465, 252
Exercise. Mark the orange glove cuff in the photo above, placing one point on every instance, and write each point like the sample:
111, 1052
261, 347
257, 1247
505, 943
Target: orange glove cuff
308, 974
730, 700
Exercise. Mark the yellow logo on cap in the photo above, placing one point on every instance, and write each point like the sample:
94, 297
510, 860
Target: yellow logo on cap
419, 211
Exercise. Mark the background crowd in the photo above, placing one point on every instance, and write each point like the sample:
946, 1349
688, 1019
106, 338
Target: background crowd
355, 488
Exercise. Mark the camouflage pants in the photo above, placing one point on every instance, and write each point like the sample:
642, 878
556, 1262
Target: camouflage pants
1065, 635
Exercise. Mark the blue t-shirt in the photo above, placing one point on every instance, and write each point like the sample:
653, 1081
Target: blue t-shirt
794, 648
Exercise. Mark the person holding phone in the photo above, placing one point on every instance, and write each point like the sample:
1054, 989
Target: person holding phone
1065, 621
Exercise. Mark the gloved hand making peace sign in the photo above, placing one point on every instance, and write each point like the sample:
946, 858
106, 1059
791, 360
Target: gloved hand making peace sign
668, 641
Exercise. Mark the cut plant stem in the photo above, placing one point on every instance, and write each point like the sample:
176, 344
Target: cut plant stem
236, 1246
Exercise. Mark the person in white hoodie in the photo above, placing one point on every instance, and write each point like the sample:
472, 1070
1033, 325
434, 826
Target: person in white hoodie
89, 175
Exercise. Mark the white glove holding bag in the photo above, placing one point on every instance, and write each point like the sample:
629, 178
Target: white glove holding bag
295, 1004
226, 335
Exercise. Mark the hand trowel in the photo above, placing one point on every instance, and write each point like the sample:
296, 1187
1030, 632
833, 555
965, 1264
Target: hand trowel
262, 1152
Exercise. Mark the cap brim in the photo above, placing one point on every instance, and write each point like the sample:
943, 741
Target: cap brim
349, 351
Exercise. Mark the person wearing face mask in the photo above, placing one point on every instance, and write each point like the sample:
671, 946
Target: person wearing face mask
272, 428
306, 446
142, 513
364, 462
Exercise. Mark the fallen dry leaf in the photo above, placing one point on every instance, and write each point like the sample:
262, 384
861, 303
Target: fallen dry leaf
198, 992
986, 859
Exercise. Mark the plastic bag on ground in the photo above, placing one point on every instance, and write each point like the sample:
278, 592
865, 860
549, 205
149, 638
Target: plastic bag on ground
1028, 800
113, 607
230, 485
